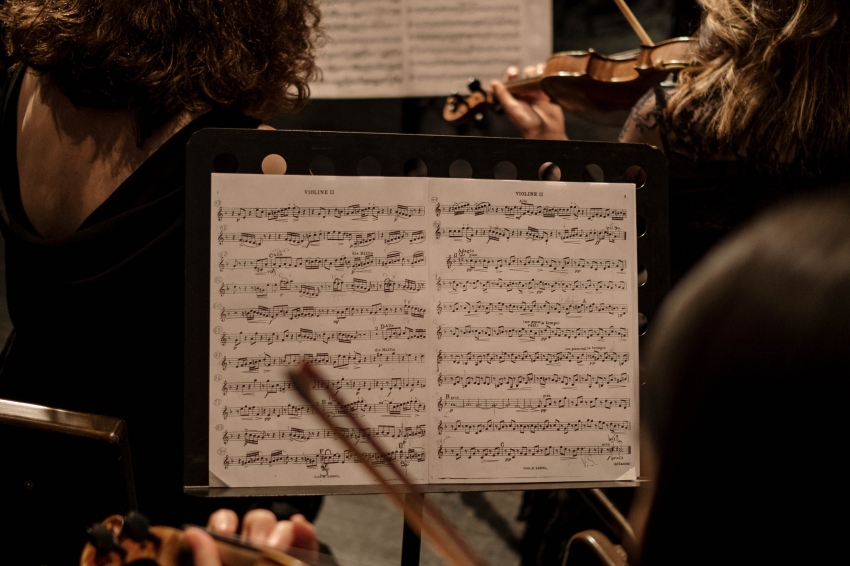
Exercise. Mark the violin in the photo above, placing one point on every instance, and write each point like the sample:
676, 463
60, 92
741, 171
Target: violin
587, 81
132, 540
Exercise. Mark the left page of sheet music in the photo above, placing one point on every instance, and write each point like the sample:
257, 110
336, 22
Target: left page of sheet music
393, 48
330, 269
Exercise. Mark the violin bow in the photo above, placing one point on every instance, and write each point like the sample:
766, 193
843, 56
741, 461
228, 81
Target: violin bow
441, 534
633, 21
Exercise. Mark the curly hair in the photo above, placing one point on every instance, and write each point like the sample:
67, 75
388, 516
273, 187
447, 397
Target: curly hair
158, 58
773, 82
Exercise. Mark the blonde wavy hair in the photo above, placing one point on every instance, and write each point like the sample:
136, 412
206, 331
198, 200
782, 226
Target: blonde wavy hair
773, 82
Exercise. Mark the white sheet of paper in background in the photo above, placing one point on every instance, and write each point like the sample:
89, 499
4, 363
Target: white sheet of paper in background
394, 48
407, 310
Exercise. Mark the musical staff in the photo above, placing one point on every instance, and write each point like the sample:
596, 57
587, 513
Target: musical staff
306, 335
450, 357
553, 264
527, 209
355, 263
314, 289
495, 234
267, 412
306, 239
579, 402
532, 332
529, 285
269, 387
337, 361
478, 358
522, 451
532, 426
324, 458
517, 381
287, 212
546, 307
303, 435
269, 314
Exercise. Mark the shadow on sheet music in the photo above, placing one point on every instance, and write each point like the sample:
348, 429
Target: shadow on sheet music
61, 472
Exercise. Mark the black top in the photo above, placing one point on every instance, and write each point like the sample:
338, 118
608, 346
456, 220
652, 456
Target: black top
711, 194
98, 315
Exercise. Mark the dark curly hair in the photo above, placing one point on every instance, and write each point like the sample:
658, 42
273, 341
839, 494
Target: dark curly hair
158, 58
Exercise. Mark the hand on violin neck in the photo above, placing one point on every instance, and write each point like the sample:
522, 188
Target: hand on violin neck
533, 114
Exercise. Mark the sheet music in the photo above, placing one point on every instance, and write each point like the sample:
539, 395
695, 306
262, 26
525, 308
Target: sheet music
393, 48
334, 270
484, 330
533, 350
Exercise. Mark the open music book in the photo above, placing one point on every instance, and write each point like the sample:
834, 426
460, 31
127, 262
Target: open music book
486, 330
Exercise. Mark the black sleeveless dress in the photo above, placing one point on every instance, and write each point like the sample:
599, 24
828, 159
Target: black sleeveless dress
98, 315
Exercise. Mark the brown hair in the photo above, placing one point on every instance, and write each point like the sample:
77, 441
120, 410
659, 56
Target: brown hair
158, 58
773, 81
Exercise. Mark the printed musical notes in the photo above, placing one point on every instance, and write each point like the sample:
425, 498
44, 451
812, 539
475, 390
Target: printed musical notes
551, 285
338, 361
307, 335
269, 386
396, 48
496, 233
530, 332
512, 452
462, 259
267, 412
315, 288
267, 314
342, 284
356, 239
533, 308
323, 459
422, 326
248, 436
354, 211
534, 379
532, 427
540, 368
528, 209
533, 404
477, 358
355, 263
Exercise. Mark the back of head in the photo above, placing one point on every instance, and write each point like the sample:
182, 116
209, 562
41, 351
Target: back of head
748, 374
159, 58
773, 83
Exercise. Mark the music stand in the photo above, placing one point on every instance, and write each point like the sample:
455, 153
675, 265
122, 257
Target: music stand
337, 153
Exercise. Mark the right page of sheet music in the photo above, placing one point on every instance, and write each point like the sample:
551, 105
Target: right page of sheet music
534, 323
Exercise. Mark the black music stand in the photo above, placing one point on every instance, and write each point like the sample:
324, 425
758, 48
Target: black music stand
396, 155
63, 471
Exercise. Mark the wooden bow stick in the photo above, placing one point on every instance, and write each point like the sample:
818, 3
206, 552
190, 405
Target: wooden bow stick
627, 12
441, 535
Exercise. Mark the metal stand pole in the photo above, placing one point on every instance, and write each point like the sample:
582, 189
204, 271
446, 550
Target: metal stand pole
411, 543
